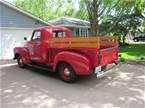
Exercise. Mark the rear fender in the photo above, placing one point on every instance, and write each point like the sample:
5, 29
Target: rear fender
80, 63
23, 52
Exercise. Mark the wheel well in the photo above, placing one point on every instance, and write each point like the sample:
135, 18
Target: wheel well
16, 55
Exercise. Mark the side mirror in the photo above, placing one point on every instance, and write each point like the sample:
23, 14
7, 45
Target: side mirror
25, 38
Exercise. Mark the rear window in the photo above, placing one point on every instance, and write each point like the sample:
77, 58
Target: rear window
58, 34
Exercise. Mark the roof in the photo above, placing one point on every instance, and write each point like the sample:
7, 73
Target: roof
70, 22
22, 11
53, 28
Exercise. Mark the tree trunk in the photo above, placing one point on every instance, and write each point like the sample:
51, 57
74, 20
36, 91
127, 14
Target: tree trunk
94, 26
92, 8
124, 39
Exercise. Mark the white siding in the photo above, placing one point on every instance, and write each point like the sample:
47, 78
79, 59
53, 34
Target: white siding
10, 38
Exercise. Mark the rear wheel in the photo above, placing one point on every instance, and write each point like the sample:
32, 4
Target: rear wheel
66, 73
20, 62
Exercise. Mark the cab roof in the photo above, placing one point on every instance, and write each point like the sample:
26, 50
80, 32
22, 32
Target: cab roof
53, 28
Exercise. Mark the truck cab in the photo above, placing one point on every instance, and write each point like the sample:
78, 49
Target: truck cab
54, 47
39, 50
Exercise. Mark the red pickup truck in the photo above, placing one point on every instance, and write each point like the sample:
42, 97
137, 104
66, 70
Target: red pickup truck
54, 47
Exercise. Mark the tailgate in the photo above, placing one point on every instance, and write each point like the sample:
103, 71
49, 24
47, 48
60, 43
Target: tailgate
108, 55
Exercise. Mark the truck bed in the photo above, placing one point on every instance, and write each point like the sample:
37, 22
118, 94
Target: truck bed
101, 50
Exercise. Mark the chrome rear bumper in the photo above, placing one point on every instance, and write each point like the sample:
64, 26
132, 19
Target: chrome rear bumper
99, 72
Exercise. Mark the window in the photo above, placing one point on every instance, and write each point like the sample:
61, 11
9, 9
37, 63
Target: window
58, 34
37, 35
81, 32
77, 32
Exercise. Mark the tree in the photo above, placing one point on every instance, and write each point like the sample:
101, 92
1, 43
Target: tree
117, 16
47, 9
96, 9
38, 8
81, 12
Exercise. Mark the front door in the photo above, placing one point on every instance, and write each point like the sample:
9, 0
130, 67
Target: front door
34, 46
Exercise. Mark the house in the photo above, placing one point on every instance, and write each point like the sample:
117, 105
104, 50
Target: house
15, 24
79, 28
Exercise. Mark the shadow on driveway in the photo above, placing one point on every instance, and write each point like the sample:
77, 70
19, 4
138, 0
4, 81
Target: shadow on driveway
34, 88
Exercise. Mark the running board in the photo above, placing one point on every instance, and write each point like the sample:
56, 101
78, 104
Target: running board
40, 67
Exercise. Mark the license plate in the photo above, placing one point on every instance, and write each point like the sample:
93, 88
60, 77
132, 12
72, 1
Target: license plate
98, 71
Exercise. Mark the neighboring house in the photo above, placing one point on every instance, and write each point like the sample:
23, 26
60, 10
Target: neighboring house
79, 28
15, 24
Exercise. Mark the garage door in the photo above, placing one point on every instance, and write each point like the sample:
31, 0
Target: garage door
10, 38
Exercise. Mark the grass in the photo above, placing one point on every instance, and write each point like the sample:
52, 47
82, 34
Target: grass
132, 51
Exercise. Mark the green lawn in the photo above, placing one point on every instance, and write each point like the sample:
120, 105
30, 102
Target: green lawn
132, 51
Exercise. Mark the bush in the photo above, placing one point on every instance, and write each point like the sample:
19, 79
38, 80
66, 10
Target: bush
142, 58
122, 59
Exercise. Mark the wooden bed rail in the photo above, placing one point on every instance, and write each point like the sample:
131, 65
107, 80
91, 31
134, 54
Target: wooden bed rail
109, 40
82, 42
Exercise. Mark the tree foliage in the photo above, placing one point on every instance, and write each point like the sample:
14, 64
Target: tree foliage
106, 17
117, 16
38, 8
47, 9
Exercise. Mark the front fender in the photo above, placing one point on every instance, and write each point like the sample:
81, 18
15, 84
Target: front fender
23, 52
79, 62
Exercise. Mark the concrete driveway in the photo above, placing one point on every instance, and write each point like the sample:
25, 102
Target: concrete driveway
123, 87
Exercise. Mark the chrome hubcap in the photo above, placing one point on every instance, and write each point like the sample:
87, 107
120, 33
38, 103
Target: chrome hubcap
20, 60
66, 71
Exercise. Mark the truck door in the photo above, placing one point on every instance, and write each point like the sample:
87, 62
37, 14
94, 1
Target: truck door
34, 46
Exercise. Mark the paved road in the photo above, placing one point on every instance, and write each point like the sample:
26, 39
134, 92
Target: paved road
123, 87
